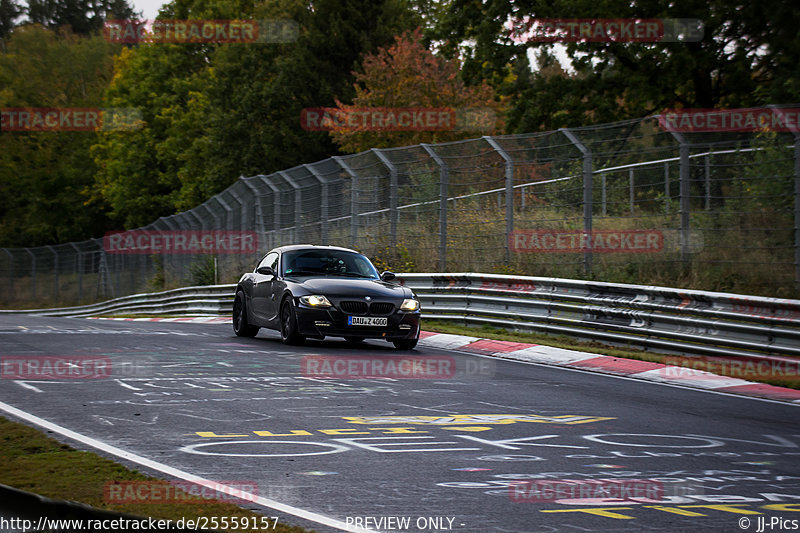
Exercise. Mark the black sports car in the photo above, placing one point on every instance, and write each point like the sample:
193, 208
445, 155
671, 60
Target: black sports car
324, 291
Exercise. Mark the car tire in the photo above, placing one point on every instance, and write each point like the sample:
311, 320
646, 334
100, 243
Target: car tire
240, 325
405, 344
289, 333
354, 340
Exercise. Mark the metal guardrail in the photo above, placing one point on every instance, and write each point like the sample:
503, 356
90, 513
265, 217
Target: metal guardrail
659, 318
203, 300
655, 318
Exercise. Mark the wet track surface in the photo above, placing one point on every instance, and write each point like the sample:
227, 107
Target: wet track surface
453, 449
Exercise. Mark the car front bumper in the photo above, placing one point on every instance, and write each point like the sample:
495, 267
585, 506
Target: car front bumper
331, 322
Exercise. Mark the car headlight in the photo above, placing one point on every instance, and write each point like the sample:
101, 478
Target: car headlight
409, 304
315, 300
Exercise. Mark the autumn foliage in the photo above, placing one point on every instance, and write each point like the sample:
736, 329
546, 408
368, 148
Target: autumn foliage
408, 75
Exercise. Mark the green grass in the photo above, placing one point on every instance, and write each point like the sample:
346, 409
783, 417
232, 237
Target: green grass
34, 462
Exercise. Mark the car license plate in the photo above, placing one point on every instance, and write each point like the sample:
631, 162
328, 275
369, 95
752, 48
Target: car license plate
366, 321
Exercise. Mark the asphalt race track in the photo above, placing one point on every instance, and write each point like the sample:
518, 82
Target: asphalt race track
468, 443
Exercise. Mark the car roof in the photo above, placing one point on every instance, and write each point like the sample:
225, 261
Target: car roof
282, 249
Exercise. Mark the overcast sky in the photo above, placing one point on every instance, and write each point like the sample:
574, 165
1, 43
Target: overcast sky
148, 7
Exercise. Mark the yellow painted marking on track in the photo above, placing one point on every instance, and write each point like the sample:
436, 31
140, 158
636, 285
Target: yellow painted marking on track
390, 431
450, 420
608, 512
345, 431
674, 510
793, 507
728, 508
468, 428
292, 433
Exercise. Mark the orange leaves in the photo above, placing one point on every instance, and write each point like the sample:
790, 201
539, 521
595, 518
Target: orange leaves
408, 75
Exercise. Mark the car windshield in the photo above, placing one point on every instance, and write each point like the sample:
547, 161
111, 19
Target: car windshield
328, 263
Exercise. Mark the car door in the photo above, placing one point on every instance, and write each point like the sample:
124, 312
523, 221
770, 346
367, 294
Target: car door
261, 304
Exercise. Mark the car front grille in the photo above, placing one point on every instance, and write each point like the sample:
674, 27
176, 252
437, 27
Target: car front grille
354, 308
360, 308
381, 308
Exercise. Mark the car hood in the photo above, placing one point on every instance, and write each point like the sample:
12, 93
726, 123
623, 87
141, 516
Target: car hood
333, 286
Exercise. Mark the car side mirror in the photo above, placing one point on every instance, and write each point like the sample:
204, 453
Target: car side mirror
387, 276
266, 271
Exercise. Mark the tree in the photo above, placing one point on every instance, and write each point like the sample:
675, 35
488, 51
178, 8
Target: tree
259, 91
83, 17
9, 13
407, 75
213, 112
748, 56
43, 174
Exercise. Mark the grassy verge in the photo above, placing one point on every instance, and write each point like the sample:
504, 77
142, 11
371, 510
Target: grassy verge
34, 462
568, 343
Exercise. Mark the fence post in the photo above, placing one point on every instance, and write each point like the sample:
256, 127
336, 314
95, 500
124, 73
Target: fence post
55, 270
211, 214
603, 199
444, 179
797, 210
257, 214
707, 164
631, 188
102, 282
323, 223
509, 179
394, 214
353, 199
587, 196
243, 210
33, 271
685, 207
298, 205
78, 270
10, 273
244, 215
228, 212
276, 205
796, 134
182, 260
666, 187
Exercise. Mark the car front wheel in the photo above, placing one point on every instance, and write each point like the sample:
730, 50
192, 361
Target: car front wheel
289, 333
240, 324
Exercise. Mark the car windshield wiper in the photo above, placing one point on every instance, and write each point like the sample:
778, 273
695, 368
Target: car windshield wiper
305, 273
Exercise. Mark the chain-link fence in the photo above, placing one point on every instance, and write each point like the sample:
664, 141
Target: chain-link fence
626, 202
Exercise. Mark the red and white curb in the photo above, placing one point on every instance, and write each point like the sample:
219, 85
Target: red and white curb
534, 353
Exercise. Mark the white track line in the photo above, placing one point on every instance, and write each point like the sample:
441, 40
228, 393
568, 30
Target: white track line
180, 474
